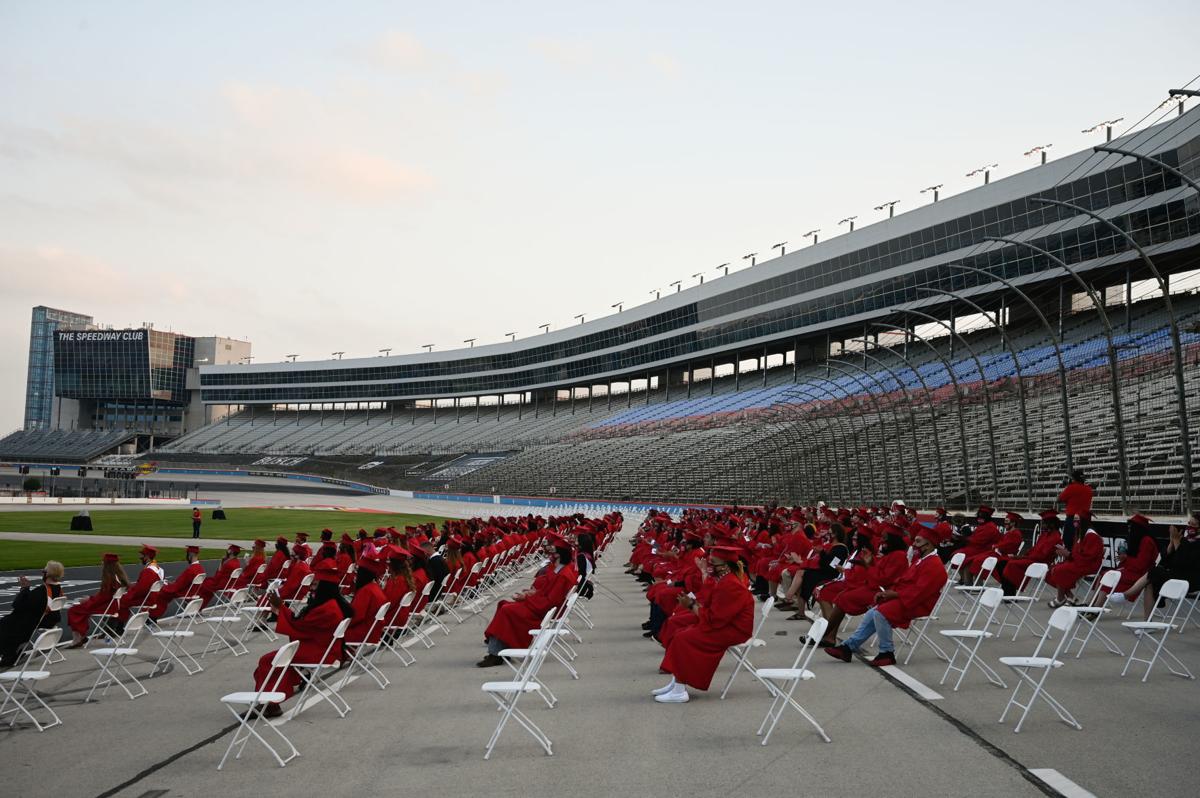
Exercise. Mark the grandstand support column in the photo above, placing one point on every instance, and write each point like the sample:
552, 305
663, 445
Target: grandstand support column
841, 367
987, 393
912, 422
737, 372
1055, 339
691, 372
937, 442
608, 394
1176, 345
1004, 339
764, 366
795, 359
712, 376
962, 426
808, 461
1113, 374
647, 388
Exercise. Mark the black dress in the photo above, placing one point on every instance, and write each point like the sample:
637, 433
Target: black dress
826, 570
28, 615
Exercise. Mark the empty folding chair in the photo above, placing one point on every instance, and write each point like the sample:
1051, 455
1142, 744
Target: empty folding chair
508, 694
57, 604
19, 685
422, 622
249, 721
972, 591
953, 568
172, 640
741, 652
557, 631
395, 634
782, 683
112, 658
1028, 594
1033, 671
967, 641
1156, 632
362, 656
516, 658
226, 625
315, 675
1091, 612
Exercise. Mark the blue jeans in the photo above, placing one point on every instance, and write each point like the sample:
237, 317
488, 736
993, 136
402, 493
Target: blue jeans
873, 623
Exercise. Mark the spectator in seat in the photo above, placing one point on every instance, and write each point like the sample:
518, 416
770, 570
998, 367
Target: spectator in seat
1180, 560
1083, 559
30, 612
112, 577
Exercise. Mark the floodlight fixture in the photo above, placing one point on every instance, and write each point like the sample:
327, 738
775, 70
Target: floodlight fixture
1107, 125
700, 275
752, 257
427, 347
338, 355
657, 293
934, 189
1041, 148
470, 342
812, 234
985, 170
678, 285
544, 327
512, 336
724, 266
782, 247
618, 305
580, 317
891, 207
850, 221
385, 352
293, 357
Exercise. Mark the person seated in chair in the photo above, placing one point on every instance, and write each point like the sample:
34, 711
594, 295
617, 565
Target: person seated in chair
912, 596
1082, 560
1135, 558
1180, 560
30, 612
112, 577
881, 574
694, 653
151, 573
1010, 573
313, 626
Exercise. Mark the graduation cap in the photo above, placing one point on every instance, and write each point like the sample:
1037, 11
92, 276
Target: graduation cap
149, 550
326, 571
110, 557
1016, 518
189, 550
1140, 520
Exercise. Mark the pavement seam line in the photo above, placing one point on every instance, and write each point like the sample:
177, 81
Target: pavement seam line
991, 748
157, 766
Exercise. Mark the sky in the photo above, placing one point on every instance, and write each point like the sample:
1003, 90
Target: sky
316, 177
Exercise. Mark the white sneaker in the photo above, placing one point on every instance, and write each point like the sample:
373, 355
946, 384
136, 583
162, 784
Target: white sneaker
674, 697
664, 690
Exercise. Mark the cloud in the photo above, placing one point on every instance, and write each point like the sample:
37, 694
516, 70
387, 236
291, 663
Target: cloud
398, 50
569, 54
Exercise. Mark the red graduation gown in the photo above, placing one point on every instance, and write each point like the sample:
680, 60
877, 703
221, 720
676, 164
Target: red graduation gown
1008, 545
139, 590
1043, 551
918, 590
218, 580
1084, 560
314, 631
728, 619
77, 616
295, 574
249, 570
178, 588
982, 540
367, 601
274, 566
1136, 564
885, 572
513, 619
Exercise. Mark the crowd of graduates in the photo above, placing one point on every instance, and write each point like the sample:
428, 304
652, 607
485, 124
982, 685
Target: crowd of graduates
353, 577
883, 565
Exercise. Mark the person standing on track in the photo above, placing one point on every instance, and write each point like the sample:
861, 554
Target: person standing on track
195, 522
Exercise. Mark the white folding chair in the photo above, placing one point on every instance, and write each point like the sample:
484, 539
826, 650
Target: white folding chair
57, 604
297, 603
516, 659
741, 652
362, 655
967, 641
100, 621
1174, 591
420, 618
507, 694
953, 569
222, 594
172, 640
149, 600
114, 656
1089, 614
1026, 668
921, 625
395, 635
250, 719
1192, 600
782, 683
1028, 594
225, 627
19, 684
973, 591
315, 675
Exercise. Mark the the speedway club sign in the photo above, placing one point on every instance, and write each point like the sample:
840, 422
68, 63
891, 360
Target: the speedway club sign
92, 336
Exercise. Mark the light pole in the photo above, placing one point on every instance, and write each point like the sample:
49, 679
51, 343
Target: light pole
1179, 96
700, 275
385, 352
1107, 125
512, 336
812, 234
470, 342
657, 293
934, 189
580, 317
678, 285
782, 247
618, 305
427, 347
246, 359
338, 355
985, 170
850, 221
752, 257
293, 357
545, 328
724, 266
1041, 148
891, 207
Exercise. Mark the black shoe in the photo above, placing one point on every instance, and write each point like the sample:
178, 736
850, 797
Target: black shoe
490, 661
648, 634
646, 625
839, 652
883, 658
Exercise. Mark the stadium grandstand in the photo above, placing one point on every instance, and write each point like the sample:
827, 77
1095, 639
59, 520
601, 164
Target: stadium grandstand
974, 349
